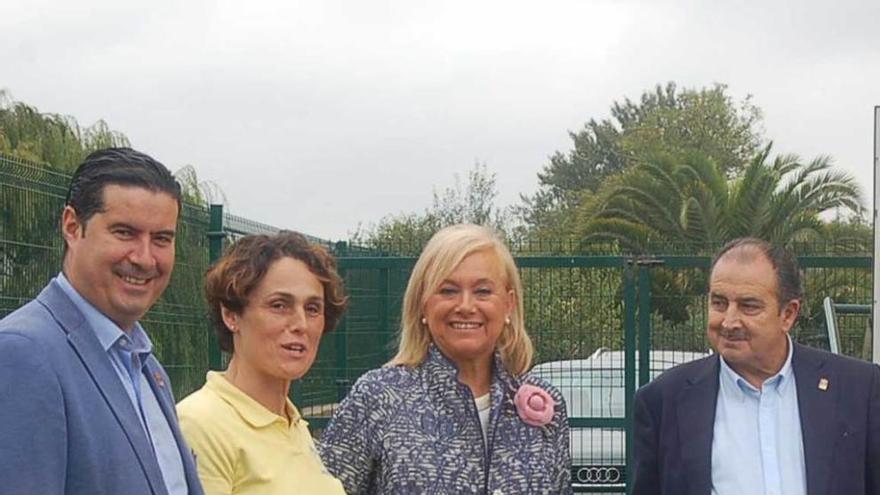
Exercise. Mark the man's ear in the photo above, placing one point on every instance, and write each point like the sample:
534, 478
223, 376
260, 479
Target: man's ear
789, 314
230, 319
71, 228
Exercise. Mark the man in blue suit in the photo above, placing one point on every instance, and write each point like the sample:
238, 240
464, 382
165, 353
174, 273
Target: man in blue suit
85, 408
763, 415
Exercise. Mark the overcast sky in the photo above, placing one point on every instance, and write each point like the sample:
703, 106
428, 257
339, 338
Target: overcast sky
320, 115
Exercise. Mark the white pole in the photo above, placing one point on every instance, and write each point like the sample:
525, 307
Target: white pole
876, 309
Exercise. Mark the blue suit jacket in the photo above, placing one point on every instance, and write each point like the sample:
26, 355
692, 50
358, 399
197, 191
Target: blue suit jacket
675, 417
67, 425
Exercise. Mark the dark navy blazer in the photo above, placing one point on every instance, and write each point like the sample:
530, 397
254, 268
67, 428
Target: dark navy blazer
675, 417
67, 425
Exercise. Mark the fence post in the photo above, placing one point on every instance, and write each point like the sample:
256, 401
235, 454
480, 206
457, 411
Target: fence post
215, 250
384, 316
876, 265
644, 325
629, 359
342, 381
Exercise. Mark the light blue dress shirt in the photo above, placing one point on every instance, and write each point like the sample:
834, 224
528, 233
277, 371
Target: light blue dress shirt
757, 445
129, 353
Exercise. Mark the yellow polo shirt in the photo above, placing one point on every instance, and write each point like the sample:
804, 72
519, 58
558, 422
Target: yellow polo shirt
243, 448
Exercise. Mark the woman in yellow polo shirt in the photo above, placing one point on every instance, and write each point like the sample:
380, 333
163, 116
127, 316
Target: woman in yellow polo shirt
271, 299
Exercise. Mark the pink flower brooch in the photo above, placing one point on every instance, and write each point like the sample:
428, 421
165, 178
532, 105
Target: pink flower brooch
534, 405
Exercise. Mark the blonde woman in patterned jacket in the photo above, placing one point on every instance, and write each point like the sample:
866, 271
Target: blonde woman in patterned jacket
455, 411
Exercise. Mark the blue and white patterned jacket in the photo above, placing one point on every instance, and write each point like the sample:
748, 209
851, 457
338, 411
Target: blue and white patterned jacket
414, 430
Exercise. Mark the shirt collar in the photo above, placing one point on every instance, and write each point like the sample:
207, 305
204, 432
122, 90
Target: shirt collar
247, 407
107, 332
740, 386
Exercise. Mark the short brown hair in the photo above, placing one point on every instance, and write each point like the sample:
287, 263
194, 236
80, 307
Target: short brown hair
230, 280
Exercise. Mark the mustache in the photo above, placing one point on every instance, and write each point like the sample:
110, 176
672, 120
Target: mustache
128, 269
733, 334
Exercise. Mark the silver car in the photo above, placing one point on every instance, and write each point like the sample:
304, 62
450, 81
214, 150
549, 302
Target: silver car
594, 388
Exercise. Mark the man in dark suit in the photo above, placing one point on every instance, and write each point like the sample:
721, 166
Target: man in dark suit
85, 408
762, 415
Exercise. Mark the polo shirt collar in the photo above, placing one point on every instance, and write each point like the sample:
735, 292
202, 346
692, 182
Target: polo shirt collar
247, 407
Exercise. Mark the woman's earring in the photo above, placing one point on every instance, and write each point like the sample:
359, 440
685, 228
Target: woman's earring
424, 321
507, 320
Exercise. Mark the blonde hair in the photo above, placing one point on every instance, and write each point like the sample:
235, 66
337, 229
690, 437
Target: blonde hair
443, 253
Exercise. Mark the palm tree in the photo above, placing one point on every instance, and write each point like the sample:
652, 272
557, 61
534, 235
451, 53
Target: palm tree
686, 204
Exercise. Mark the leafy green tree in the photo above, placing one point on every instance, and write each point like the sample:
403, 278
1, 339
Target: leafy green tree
472, 202
665, 120
197, 191
51, 139
60, 142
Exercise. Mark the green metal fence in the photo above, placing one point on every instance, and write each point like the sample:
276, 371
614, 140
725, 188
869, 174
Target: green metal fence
603, 323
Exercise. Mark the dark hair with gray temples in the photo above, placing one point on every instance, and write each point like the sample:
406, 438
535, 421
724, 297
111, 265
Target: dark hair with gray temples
789, 285
116, 166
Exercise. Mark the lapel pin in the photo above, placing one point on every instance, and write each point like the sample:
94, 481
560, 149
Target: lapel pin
823, 384
161, 381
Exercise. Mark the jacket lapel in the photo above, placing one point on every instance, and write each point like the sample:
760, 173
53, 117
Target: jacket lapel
696, 421
161, 389
94, 358
817, 412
